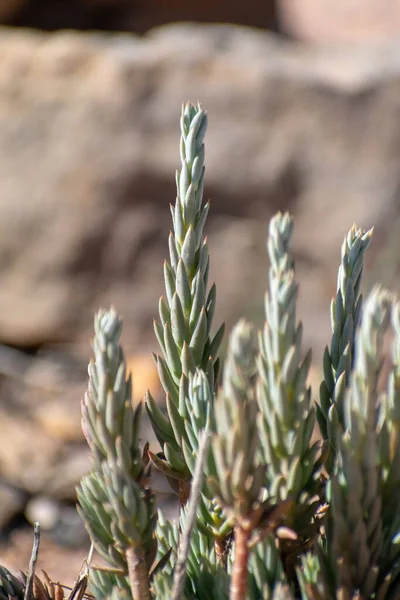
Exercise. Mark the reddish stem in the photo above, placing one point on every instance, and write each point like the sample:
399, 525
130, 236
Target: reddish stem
239, 580
138, 574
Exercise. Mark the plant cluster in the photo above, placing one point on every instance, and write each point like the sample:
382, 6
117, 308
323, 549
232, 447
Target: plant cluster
280, 496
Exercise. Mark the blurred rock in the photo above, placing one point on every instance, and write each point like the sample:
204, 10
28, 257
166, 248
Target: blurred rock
12, 502
89, 145
341, 21
62, 521
69, 530
37, 462
59, 421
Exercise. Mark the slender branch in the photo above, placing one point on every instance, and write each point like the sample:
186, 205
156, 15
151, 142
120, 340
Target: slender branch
32, 562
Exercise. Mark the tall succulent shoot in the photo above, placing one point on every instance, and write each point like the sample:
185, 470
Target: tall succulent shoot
109, 421
186, 311
345, 317
361, 525
288, 415
116, 503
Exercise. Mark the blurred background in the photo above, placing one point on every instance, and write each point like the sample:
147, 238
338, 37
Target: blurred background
303, 99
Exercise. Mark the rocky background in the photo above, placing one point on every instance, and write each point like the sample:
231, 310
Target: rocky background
304, 114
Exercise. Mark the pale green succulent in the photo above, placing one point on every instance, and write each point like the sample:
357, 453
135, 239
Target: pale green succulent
287, 414
187, 310
345, 317
115, 500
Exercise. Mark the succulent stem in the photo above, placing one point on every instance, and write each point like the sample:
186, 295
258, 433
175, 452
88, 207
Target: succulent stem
138, 575
239, 580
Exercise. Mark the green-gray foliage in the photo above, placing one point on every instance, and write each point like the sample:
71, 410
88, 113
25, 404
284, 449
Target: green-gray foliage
206, 579
267, 580
104, 584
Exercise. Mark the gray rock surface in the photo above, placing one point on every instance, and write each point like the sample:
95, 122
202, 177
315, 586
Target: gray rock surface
89, 144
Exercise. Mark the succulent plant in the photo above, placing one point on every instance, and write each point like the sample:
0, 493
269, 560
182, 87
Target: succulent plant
187, 310
270, 507
345, 317
116, 502
287, 414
